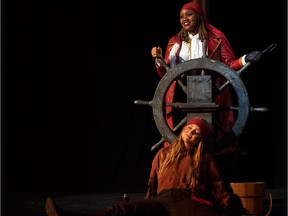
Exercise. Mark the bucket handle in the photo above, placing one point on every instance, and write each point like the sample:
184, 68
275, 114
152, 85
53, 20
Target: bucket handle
270, 205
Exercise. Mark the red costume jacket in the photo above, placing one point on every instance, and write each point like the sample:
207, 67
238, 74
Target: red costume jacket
211, 190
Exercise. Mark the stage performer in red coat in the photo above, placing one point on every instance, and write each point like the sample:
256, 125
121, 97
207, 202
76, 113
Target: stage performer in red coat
198, 38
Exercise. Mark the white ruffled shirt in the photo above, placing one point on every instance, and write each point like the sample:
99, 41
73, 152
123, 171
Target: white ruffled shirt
188, 51
191, 50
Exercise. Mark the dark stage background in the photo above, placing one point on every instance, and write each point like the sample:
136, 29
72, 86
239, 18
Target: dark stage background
71, 71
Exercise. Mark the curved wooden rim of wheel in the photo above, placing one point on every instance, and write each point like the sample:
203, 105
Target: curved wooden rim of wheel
158, 102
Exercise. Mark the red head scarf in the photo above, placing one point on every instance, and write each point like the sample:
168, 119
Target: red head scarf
202, 124
195, 7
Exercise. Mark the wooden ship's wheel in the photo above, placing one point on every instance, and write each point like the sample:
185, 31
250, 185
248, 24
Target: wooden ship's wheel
197, 87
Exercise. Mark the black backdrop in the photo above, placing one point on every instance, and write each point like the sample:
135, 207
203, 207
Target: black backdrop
72, 70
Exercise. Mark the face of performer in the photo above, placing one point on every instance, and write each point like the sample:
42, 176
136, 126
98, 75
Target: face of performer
188, 20
191, 134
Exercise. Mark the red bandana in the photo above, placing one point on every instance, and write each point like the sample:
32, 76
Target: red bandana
193, 6
205, 129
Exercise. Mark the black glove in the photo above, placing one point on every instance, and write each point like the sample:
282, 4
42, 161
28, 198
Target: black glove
253, 56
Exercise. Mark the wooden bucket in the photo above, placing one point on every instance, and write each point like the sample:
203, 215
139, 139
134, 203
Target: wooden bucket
252, 196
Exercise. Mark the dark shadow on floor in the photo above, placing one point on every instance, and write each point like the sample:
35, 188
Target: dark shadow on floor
33, 204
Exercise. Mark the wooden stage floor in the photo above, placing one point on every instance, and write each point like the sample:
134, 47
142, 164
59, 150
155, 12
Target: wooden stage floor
33, 204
